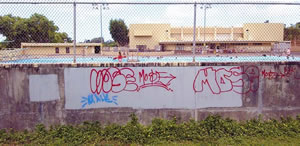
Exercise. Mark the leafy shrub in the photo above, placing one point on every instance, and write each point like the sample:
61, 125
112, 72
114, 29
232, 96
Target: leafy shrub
212, 129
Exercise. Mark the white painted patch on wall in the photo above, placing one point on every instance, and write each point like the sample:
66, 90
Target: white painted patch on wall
43, 88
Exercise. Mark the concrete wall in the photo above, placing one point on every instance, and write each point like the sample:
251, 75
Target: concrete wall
73, 93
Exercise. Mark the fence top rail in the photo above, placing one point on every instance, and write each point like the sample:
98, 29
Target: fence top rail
152, 3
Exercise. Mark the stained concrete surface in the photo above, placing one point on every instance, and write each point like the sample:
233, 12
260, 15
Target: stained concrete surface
276, 96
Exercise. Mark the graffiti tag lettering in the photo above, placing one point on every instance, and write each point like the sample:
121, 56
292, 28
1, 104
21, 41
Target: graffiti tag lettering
240, 80
287, 72
116, 80
158, 79
94, 98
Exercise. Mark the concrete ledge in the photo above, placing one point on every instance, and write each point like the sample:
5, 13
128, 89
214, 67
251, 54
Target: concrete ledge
138, 64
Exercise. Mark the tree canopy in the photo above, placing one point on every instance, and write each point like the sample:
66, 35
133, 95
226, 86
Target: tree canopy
37, 28
97, 40
108, 43
292, 32
119, 31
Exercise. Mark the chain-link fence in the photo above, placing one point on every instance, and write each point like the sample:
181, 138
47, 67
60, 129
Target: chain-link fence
88, 32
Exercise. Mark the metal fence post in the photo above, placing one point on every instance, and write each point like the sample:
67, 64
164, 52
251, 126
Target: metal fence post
194, 33
204, 41
101, 39
194, 52
74, 32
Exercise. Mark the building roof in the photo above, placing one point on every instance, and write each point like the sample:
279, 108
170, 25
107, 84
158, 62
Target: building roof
57, 44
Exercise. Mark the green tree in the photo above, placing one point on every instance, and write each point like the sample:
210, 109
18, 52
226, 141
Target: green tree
119, 31
97, 40
108, 43
61, 37
36, 28
14, 29
291, 33
298, 25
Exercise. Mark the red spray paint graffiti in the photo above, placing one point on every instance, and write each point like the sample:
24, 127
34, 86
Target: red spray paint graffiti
286, 73
240, 80
124, 79
159, 79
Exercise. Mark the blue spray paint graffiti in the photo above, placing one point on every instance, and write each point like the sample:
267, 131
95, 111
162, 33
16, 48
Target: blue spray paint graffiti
94, 98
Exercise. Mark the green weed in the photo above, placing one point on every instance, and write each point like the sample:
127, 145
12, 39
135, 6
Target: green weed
213, 130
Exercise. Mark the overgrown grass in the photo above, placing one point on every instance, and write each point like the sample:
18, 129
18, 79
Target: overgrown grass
214, 130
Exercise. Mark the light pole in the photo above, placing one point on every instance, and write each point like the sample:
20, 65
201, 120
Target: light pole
104, 7
205, 6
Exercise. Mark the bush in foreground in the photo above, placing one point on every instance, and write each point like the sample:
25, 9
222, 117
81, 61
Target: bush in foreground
212, 130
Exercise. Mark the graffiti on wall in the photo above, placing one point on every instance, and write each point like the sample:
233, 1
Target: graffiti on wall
166, 87
116, 80
101, 98
287, 72
222, 80
142, 87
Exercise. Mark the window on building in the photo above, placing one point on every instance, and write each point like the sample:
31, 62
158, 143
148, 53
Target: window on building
163, 48
212, 46
257, 44
57, 50
97, 49
223, 45
67, 50
179, 47
141, 48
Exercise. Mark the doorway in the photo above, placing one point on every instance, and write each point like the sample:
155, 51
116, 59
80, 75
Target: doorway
97, 49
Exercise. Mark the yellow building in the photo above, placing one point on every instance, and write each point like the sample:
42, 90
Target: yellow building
60, 48
252, 37
165, 40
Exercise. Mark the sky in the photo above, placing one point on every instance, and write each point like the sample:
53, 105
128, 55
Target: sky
88, 17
